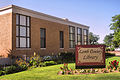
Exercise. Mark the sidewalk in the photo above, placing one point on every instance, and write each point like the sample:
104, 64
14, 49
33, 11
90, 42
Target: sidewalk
117, 53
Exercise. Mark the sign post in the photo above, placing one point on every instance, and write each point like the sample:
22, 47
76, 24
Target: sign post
90, 56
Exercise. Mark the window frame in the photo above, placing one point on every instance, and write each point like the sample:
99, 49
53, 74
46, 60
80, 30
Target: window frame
73, 34
61, 39
79, 35
43, 38
85, 36
26, 35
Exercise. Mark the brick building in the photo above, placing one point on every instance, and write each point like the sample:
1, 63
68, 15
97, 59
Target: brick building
24, 31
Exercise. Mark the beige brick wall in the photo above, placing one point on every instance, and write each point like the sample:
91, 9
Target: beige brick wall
5, 34
8, 36
52, 37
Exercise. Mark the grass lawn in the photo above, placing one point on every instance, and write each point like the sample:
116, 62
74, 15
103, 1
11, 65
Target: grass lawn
50, 73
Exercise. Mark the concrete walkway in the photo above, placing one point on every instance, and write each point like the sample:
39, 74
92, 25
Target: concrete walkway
117, 53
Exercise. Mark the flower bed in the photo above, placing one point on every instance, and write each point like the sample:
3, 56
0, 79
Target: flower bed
87, 71
113, 67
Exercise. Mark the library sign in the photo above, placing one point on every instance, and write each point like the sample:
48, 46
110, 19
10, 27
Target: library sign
90, 56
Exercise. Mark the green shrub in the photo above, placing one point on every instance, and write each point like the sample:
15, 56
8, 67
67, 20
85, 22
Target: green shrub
67, 57
48, 63
23, 67
35, 61
1, 72
1, 67
107, 49
59, 61
14, 69
10, 69
63, 57
42, 64
112, 49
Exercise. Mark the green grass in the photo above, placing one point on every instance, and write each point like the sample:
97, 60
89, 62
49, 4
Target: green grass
50, 73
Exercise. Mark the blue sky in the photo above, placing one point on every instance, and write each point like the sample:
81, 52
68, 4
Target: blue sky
95, 13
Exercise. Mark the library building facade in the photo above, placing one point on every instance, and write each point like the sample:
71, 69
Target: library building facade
24, 31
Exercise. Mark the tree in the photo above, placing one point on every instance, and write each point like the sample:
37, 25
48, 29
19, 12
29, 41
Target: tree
108, 40
115, 26
93, 38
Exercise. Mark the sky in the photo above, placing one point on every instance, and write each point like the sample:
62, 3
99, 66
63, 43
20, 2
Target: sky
94, 13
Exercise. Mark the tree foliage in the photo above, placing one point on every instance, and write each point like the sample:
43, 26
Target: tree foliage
93, 38
115, 26
108, 40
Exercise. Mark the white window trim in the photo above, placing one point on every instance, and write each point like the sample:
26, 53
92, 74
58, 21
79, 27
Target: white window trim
43, 48
61, 48
23, 48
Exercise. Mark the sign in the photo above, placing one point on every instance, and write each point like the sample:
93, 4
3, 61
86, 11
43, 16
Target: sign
90, 56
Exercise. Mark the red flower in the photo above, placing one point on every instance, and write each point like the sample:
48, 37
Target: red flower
117, 63
112, 63
65, 64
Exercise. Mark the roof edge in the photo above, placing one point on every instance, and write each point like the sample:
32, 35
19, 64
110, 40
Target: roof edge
43, 14
6, 7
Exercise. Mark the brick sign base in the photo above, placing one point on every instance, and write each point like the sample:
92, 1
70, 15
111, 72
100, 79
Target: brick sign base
90, 56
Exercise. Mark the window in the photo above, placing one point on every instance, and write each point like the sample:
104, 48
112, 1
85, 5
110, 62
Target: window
85, 36
72, 37
61, 39
22, 31
79, 36
43, 37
